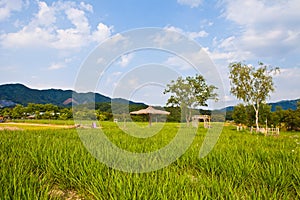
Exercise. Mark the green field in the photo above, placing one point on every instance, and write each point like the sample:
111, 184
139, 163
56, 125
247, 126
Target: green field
53, 164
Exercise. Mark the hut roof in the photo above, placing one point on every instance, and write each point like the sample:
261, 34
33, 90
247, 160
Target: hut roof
150, 110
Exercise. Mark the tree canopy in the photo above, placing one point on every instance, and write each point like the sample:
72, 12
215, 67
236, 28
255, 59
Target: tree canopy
190, 92
252, 85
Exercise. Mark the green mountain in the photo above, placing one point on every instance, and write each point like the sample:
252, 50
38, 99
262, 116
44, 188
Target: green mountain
285, 104
11, 94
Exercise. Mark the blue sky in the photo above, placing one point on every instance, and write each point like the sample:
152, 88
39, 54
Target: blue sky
44, 44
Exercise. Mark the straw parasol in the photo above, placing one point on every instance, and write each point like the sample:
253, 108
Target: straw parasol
150, 111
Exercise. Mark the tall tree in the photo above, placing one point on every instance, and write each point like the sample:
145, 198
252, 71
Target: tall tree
189, 93
252, 85
239, 114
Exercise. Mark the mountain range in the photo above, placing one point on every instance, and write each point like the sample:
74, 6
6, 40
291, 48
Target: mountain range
12, 94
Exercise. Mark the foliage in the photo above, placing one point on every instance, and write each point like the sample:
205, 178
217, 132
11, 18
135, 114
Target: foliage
251, 85
189, 93
291, 118
239, 114
283, 119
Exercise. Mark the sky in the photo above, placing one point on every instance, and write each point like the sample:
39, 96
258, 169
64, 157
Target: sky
48, 44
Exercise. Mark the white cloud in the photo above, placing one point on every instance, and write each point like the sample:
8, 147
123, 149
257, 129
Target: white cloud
56, 66
45, 15
286, 84
100, 60
227, 50
267, 28
191, 35
133, 83
173, 35
125, 60
45, 30
168, 37
9, 6
78, 19
200, 34
87, 7
27, 36
117, 73
103, 31
178, 62
191, 3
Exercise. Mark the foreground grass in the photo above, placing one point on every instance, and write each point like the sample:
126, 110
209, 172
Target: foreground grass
54, 164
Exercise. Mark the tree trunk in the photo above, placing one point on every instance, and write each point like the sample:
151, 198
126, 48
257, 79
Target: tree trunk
188, 117
256, 116
187, 121
256, 120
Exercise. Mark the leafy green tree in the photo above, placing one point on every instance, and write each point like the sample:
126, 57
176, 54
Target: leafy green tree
175, 114
5, 112
252, 85
277, 116
18, 112
265, 114
228, 116
47, 115
37, 114
190, 93
65, 113
292, 118
239, 114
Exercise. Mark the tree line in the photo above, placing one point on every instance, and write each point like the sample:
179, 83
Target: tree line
241, 114
102, 111
283, 119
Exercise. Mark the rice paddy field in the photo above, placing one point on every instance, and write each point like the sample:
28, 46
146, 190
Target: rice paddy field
51, 162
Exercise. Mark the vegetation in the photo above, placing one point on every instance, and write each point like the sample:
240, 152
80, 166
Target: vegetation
102, 111
53, 164
251, 85
189, 93
46, 113
283, 119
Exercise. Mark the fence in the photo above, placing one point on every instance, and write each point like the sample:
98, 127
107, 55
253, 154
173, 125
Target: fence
266, 131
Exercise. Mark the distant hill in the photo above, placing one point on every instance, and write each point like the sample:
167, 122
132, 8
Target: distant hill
284, 104
11, 94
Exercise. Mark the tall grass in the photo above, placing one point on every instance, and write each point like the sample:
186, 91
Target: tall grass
54, 164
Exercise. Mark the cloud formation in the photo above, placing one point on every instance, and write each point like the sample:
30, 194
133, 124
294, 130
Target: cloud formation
267, 28
191, 35
44, 30
125, 59
9, 6
191, 3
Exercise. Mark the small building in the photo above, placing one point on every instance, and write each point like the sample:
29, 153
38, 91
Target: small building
205, 118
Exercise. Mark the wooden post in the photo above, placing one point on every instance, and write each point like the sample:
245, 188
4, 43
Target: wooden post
150, 119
